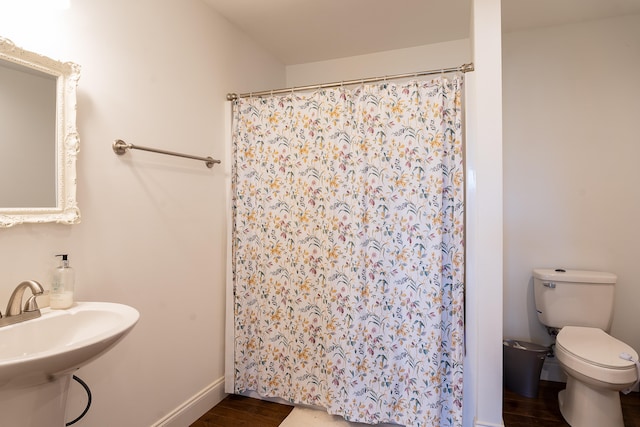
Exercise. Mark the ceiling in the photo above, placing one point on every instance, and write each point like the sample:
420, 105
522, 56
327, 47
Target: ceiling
302, 31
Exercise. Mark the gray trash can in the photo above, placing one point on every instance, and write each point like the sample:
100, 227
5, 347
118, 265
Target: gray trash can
522, 366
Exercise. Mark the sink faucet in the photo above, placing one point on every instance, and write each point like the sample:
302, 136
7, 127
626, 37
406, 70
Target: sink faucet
15, 312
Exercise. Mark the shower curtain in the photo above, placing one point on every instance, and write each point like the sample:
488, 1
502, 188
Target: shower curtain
347, 250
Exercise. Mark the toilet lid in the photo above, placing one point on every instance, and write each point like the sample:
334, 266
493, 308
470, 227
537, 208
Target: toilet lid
595, 346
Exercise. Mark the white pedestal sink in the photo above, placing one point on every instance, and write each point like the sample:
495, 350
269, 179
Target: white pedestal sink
38, 357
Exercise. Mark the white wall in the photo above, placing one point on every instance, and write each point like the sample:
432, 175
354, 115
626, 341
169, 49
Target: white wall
154, 73
484, 226
420, 58
153, 230
571, 150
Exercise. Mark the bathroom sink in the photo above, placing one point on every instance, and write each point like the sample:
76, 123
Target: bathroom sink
60, 341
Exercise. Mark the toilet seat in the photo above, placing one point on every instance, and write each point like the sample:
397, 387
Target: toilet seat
595, 354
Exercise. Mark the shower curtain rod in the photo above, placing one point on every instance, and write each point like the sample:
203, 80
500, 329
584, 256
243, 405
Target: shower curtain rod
462, 68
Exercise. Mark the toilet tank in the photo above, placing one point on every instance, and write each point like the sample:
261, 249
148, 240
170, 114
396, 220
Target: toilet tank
574, 297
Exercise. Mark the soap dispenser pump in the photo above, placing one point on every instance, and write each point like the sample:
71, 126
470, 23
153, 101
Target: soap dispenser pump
61, 295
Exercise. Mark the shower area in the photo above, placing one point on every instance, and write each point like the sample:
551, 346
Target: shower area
347, 258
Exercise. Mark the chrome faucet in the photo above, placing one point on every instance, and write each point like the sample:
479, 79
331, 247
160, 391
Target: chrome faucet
15, 313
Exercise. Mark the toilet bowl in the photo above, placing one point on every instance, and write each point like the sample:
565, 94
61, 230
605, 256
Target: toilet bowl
579, 303
595, 376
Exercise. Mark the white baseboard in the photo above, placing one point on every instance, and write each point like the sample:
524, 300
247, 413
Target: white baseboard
194, 407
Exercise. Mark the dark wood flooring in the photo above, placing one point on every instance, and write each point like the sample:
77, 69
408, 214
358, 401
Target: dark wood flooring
543, 411
517, 411
240, 411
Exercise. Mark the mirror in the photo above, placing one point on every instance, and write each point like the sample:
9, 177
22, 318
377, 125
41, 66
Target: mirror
38, 138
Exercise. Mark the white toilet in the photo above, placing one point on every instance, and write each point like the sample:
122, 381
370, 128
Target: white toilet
580, 305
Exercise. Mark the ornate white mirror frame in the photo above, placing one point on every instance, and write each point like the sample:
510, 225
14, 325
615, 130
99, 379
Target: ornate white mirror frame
66, 139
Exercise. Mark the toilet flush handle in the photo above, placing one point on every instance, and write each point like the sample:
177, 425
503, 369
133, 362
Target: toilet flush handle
550, 285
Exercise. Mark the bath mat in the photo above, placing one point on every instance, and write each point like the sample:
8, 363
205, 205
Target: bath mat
309, 417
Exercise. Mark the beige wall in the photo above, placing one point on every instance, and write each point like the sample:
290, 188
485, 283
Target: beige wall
571, 150
154, 73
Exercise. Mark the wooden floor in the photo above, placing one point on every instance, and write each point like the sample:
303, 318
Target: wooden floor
238, 411
543, 411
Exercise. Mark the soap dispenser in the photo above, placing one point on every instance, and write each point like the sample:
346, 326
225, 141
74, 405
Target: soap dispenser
61, 295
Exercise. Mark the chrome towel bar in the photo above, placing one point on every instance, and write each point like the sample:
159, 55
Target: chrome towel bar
120, 147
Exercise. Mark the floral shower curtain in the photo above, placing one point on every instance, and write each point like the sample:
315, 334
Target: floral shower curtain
348, 250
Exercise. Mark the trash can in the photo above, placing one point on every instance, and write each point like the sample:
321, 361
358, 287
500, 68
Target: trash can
522, 366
